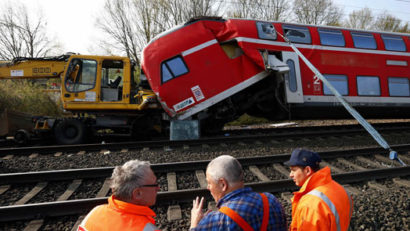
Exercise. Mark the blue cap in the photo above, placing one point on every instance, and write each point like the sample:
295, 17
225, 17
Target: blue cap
301, 157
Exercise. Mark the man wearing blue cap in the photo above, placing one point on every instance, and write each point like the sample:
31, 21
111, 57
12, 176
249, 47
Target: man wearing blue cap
321, 203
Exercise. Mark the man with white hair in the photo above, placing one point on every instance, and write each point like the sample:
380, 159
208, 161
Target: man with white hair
239, 207
134, 188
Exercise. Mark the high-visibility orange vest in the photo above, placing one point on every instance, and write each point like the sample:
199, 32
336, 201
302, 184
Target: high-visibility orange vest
241, 222
321, 204
119, 215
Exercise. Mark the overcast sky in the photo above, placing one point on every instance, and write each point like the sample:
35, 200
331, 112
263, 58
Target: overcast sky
72, 22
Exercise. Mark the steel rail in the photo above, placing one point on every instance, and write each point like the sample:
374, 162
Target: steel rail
72, 207
352, 127
88, 173
162, 143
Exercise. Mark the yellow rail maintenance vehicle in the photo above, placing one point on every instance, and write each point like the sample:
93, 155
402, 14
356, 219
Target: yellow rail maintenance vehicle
101, 92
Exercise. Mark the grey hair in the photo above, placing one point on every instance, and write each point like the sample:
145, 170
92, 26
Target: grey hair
127, 177
226, 167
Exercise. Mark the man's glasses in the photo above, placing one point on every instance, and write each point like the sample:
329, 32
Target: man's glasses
150, 185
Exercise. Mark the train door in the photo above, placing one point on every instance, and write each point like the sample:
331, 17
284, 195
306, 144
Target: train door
294, 91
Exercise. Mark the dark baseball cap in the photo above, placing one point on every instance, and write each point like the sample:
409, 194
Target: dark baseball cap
301, 157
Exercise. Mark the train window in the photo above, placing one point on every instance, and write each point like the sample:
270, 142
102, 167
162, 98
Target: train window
368, 85
266, 30
291, 76
331, 37
339, 82
393, 43
166, 74
297, 34
364, 40
399, 86
173, 68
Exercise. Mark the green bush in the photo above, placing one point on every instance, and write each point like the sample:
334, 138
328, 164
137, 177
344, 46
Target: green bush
28, 97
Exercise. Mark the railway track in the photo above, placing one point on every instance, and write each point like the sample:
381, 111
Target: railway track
264, 173
229, 137
300, 129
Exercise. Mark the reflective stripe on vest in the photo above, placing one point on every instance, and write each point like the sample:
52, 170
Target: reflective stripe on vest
265, 219
329, 203
350, 208
241, 222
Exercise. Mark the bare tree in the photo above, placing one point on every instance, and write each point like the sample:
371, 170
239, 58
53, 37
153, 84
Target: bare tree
405, 28
130, 25
22, 35
180, 11
10, 43
152, 19
360, 19
387, 22
270, 10
243, 9
198, 8
364, 19
276, 10
36, 41
317, 12
117, 22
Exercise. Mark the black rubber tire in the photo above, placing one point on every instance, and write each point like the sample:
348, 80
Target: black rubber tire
70, 131
22, 137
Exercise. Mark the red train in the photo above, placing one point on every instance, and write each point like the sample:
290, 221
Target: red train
215, 69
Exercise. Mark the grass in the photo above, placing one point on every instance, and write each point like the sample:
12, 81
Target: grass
246, 119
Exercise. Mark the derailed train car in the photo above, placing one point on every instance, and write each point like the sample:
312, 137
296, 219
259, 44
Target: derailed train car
214, 70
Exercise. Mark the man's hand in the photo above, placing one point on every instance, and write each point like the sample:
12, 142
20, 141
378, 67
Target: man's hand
196, 212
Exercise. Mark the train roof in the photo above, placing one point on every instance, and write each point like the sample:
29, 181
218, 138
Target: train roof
194, 20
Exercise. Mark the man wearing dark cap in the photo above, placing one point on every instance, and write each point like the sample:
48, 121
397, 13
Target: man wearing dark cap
321, 203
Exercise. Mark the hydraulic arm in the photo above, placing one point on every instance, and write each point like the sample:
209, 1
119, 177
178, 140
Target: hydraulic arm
31, 68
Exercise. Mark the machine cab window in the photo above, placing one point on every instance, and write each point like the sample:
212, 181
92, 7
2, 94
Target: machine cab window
297, 34
112, 77
81, 75
173, 68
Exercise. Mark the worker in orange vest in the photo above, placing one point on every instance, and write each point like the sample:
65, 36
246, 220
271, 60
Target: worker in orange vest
134, 187
239, 207
321, 203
